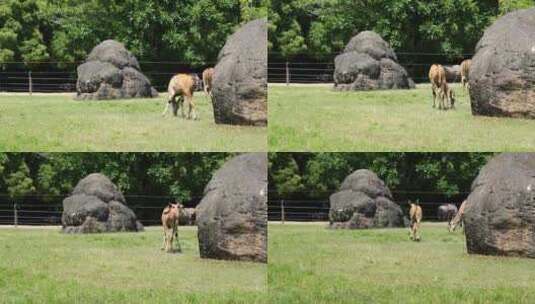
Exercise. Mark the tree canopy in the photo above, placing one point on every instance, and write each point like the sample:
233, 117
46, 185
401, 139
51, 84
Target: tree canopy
45, 177
190, 31
320, 29
317, 175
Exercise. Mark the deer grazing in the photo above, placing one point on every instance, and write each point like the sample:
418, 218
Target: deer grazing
439, 86
458, 219
170, 216
415, 214
207, 78
180, 94
465, 73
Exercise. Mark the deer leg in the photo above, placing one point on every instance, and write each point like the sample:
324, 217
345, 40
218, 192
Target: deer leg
164, 239
181, 105
192, 108
170, 101
434, 95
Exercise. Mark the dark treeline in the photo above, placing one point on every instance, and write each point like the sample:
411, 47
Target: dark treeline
144, 178
428, 177
420, 31
56, 31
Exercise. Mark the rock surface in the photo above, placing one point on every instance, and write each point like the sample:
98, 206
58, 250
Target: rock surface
232, 216
499, 213
96, 205
369, 63
502, 81
240, 77
187, 217
364, 201
453, 73
112, 72
446, 212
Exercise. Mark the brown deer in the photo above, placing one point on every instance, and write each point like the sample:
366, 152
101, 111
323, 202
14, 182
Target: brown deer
458, 219
207, 78
170, 216
181, 87
465, 73
415, 214
439, 86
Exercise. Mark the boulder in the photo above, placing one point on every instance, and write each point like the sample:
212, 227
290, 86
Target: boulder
369, 63
501, 76
112, 72
96, 205
364, 201
446, 212
240, 77
499, 214
453, 73
186, 217
232, 216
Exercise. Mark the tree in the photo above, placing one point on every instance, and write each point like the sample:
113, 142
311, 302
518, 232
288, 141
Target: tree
181, 176
320, 29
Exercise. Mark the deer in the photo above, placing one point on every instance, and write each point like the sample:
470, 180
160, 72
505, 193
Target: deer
170, 216
439, 86
465, 73
415, 215
180, 90
207, 78
458, 219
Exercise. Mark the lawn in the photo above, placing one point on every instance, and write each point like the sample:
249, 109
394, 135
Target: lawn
55, 122
316, 118
312, 264
45, 266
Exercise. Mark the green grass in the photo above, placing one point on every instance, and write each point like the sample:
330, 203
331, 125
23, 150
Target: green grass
48, 122
316, 118
312, 264
45, 266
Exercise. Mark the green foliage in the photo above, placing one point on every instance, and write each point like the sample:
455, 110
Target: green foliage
507, 6
191, 31
320, 174
179, 175
320, 28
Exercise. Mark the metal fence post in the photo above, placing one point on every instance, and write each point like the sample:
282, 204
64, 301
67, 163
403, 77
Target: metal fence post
15, 215
282, 212
287, 74
30, 84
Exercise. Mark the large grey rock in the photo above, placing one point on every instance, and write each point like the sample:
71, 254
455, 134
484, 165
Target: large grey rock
446, 212
499, 215
232, 216
364, 201
240, 77
96, 205
369, 63
502, 81
453, 73
112, 72
99, 185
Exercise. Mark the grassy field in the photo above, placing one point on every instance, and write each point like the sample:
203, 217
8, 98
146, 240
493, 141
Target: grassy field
311, 264
316, 118
58, 123
45, 266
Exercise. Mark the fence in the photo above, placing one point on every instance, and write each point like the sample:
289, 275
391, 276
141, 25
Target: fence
318, 210
48, 77
47, 210
305, 70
